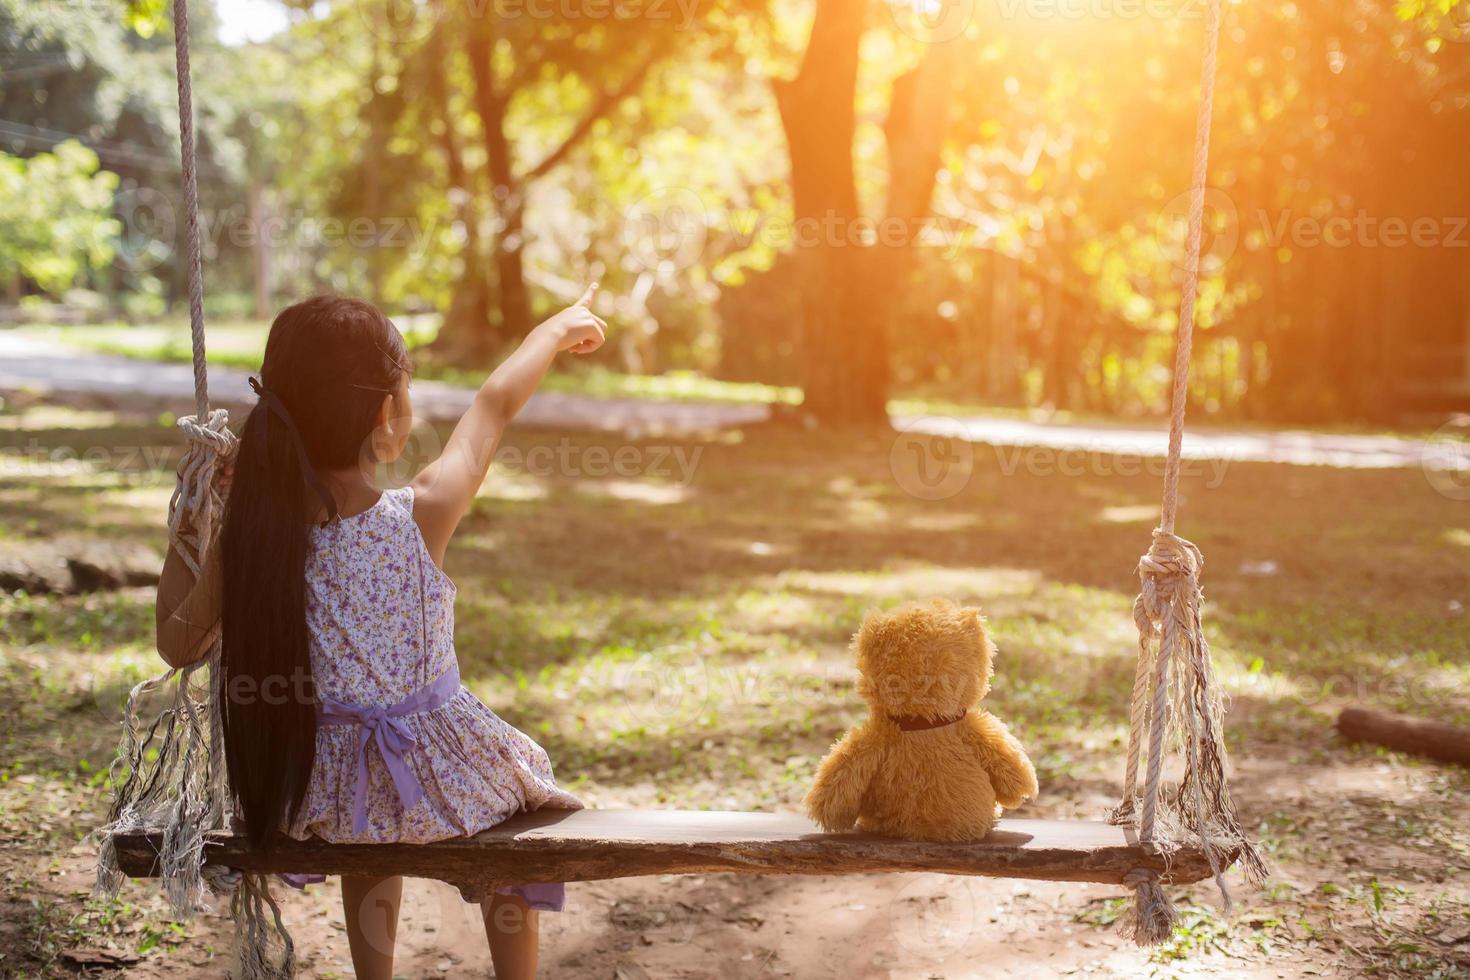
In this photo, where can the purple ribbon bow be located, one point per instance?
(384, 725)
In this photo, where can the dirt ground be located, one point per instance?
(1326, 587)
(894, 927)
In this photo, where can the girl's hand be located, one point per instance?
(577, 328)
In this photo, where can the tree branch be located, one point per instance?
(918, 120)
(600, 108)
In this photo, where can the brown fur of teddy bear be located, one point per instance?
(927, 764)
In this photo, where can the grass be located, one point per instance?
(684, 644)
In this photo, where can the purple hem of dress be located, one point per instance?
(543, 897)
(299, 882)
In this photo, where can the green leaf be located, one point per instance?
(144, 17)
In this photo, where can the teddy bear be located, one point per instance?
(927, 763)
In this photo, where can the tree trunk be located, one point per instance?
(260, 215)
(853, 282)
(510, 273)
(505, 189)
(372, 194)
(466, 330)
(844, 363)
(1060, 311)
(507, 195)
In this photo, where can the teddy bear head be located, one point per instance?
(924, 659)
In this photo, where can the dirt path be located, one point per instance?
(29, 363)
(1364, 891)
(867, 927)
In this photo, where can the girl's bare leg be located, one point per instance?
(371, 908)
(513, 929)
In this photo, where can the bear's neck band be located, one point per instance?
(922, 723)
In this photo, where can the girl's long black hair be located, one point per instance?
(329, 363)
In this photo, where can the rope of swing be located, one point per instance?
(1179, 399)
(195, 505)
(195, 255)
(1170, 632)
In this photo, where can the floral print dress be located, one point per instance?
(380, 615)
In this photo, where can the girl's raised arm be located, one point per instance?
(444, 490)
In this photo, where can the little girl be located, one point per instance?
(344, 716)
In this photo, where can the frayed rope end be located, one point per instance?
(1152, 918)
(263, 949)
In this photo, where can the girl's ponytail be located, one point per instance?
(266, 694)
(328, 364)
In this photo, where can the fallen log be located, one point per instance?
(1417, 736)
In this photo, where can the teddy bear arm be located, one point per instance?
(836, 797)
(1012, 776)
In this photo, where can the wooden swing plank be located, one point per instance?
(590, 845)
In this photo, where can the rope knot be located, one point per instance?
(213, 433)
(1140, 876)
(1169, 571)
(1171, 556)
(1151, 920)
(221, 879)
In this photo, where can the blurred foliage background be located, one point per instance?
(954, 199)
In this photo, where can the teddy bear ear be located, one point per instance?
(875, 621)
